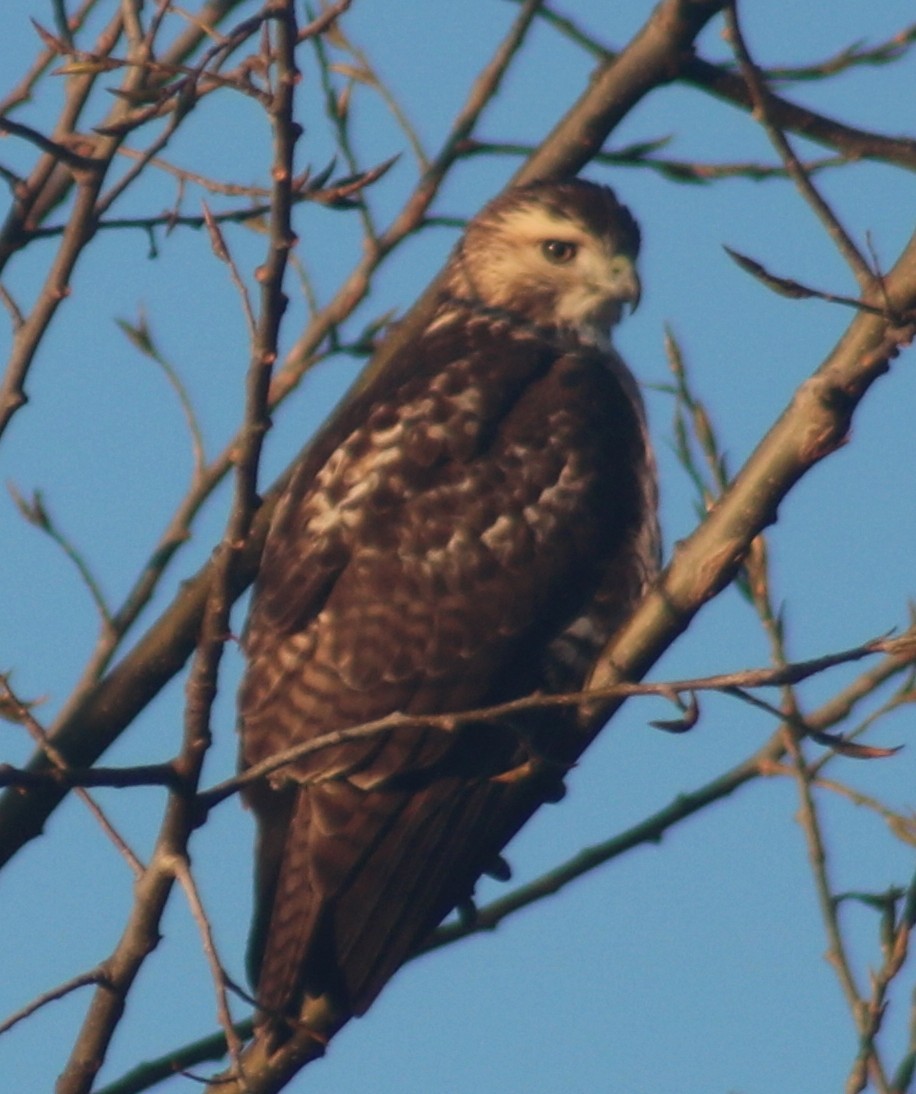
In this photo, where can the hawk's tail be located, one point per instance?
(291, 926)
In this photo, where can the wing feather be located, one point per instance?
(428, 568)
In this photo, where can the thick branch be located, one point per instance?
(655, 56)
(728, 85)
(823, 130)
(812, 426)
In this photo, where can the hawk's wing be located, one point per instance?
(427, 569)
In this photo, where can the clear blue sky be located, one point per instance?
(693, 966)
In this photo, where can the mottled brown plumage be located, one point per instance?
(478, 537)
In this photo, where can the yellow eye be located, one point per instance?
(559, 251)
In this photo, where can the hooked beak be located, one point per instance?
(625, 281)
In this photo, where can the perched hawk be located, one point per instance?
(478, 537)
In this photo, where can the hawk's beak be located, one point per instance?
(625, 281)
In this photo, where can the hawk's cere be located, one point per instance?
(477, 538)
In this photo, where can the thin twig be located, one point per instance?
(141, 337)
(337, 110)
(778, 676)
(221, 250)
(641, 156)
(217, 971)
(763, 763)
(731, 683)
(84, 979)
(36, 513)
(852, 56)
(726, 84)
(795, 290)
(22, 92)
(23, 715)
(809, 813)
(365, 72)
(324, 21)
(761, 98)
(59, 152)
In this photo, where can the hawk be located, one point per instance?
(478, 537)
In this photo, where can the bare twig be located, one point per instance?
(337, 109)
(899, 653)
(151, 1072)
(21, 711)
(643, 155)
(795, 727)
(36, 513)
(728, 683)
(217, 972)
(84, 979)
(221, 250)
(324, 21)
(55, 149)
(364, 72)
(141, 337)
(23, 90)
(761, 98)
(786, 286)
(726, 84)
(855, 55)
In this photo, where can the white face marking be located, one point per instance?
(586, 292)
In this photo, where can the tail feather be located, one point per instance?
(427, 863)
(366, 875)
(291, 923)
(418, 873)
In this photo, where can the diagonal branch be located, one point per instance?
(763, 763)
(729, 86)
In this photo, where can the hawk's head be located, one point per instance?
(558, 254)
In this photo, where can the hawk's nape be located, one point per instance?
(477, 538)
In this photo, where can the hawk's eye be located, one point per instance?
(559, 251)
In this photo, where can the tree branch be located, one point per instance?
(811, 427)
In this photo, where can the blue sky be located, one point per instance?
(695, 965)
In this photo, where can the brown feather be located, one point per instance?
(477, 537)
